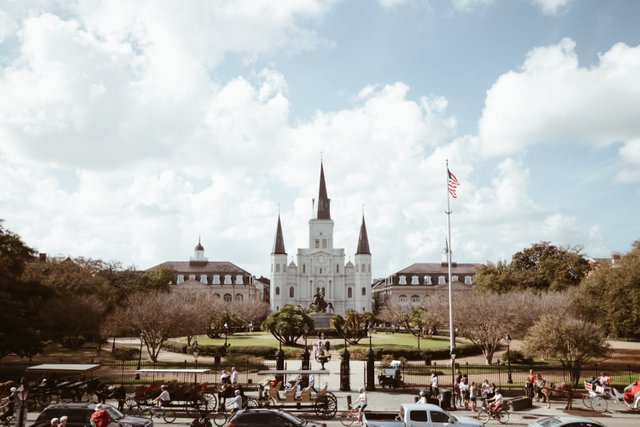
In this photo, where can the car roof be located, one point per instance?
(570, 419)
(415, 406)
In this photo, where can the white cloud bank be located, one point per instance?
(553, 100)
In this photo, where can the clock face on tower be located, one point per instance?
(321, 259)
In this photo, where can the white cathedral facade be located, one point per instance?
(321, 268)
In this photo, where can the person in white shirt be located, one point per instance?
(235, 404)
(434, 384)
(234, 376)
(423, 397)
(496, 400)
(361, 403)
(164, 398)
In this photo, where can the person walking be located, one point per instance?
(100, 417)
(434, 384)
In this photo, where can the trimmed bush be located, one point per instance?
(125, 353)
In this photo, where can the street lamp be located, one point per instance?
(371, 358)
(140, 355)
(226, 336)
(196, 352)
(507, 338)
(305, 354)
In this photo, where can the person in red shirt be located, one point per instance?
(100, 417)
(531, 379)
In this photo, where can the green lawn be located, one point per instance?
(405, 341)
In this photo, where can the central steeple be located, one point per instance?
(324, 203)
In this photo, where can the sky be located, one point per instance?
(130, 129)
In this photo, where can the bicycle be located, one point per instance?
(501, 415)
(221, 417)
(349, 417)
(167, 414)
(9, 421)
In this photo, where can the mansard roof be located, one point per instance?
(439, 268)
(208, 267)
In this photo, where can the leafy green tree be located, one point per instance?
(421, 322)
(570, 341)
(287, 324)
(73, 318)
(20, 299)
(610, 296)
(541, 267)
(353, 326)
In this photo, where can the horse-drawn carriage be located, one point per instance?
(64, 383)
(192, 398)
(597, 396)
(297, 399)
(391, 376)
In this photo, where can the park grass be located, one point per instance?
(381, 340)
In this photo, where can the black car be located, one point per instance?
(79, 415)
(254, 417)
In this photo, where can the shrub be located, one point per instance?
(517, 357)
(125, 353)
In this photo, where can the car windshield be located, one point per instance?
(113, 412)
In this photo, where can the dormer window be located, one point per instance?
(239, 280)
(441, 280)
(468, 280)
(402, 280)
(192, 277)
(203, 279)
(216, 279)
(227, 279)
(427, 280)
(180, 279)
(414, 280)
(454, 279)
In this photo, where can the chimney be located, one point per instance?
(42, 257)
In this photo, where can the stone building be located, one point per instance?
(320, 269)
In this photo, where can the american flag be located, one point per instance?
(453, 183)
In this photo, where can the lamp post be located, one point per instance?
(345, 370)
(507, 338)
(280, 354)
(371, 358)
(196, 352)
(305, 354)
(140, 355)
(226, 337)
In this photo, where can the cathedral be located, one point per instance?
(320, 274)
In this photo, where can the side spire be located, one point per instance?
(363, 240)
(278, 243)
(324, 210)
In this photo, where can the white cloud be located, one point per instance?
(469, 6)
(389, 4)
(552, 100)
(552, 7)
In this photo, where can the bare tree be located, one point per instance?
(158, 315)
(486, 318)
(73, 316)
(250, 312)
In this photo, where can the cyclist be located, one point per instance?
(497, 401)
(361, 403)
(235, 404)
(9, 405)
(164, 398)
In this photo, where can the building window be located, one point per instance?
(467, 280)
(427, 280)
(454, 279)
(403, 280)
(227, 279)
(192, 277)
(239, 280)
(349, 292)
(238, 297)
(364, 291)
(203, 279)
(337, 268)
(368, 268)
(227, 297)
(415, 299)
(320, 270)
(324, 243)
(403, 298)
(304, 268)
(441, 280)
(317, 243)
(291, 292)
(277, 268)
(356, 268)
(180, 279)
(216, 296)
(414, 280)
(277, 290)
(216, 279)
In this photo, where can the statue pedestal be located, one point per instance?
(321, 320)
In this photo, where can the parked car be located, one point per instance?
(253, 417)
(566, 421)
(416, 415)
(79, 415)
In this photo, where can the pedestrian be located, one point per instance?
(473, 395)
(434, 384)
(8, 406)
(234, 376)
(531, 379)
(465, 392)
(63, 421)
(100, 417)
(327, 346)
(55, 422)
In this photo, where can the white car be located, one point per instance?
(566, 421)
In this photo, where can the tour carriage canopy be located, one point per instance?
(64, 368)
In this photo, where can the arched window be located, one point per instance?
(238, 297)
(291, 292)
(415, 299)
(403, 298)
(277, 290)
(216, 296)
(277, 268)
(349, 292)
(364, 291)
(227, 298)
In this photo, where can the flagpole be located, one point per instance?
(452, 342)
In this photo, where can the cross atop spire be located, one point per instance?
(324, 210)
